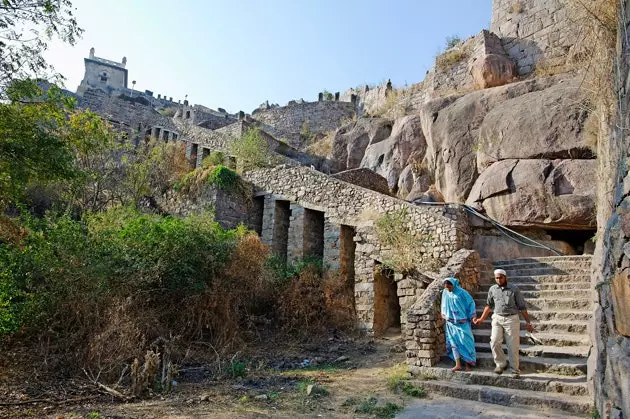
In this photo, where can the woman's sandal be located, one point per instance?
(454, 369)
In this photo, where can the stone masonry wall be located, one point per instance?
(321, 117)
(534, 30)
(609, 360)
(424, 332)
(349, 205)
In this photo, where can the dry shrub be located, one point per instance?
(322, 147)
(301, 307)
(450, 58)
(143, 379)
(10, 232)
(339, 301)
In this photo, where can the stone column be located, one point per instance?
(295, 248)
(332, 245)
(364, 292)
(199, 156)
(188, 149)
(154, 132)
(269, 208)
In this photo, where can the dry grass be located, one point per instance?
(517, 7)
(451, 57)
(397, 104)
(322, 147)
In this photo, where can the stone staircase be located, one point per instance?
(553, 374)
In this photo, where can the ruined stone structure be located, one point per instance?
(310, 118)
(309, 214)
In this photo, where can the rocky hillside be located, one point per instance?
(521, 151)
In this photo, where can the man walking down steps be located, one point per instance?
(506, 301)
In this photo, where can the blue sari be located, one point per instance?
(458, 310)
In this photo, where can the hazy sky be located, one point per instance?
(237, 54)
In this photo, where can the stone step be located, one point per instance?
(543, 259)
(550, 270)
(551, 339)
(558, 326)
(541, 279)
(572, 293)
(562, 366)
(547, 383)
(533, 286)
(542, 350)
(562, 265)
(510, 397)
(556, 315)
(551, 303)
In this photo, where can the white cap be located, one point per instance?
(500, 272)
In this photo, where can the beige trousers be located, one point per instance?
(511, 326)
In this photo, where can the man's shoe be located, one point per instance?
(499, 369)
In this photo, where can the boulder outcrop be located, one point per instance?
(543, 193)
(350, 141)
(389, 157)
(550, 122)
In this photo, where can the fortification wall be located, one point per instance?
(535, 31)
(129, 114)
(320, 117)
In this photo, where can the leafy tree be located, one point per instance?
(252, 151)
(35, 145)
(26, 27)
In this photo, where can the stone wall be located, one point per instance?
(320, 118)
(534, 30)
(229, 209)
(609, 361)
(132, 115)
(365, 178)
(346, 208)
(424, 332)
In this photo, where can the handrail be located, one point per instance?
(504, 230)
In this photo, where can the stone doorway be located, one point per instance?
(386, 305)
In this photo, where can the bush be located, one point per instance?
(452, 41)
(214, 159)
(223, 178)
(252, 151)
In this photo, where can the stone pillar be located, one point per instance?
(295, 248)
(241, 115)
(320, 97)
(154, 132)
(353, 99)
(337, 97)
(364, 292)
(199, 156)
(332, 245)
(188, 149)
(269, 207)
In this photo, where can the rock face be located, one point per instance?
(389, 157)
(544, 193)
(550, 122)
(493, 70)
(350, 141)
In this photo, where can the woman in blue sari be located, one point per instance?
(458, 312)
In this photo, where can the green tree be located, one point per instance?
(252, 151)
(26, 27)
(34, 141)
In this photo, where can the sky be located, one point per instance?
(238, 54)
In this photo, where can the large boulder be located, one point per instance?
(493, 70)
(538, 193)
(388, 158)
(350, 141)
(451, 126)
(544, 124)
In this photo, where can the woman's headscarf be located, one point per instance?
(457, 305)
